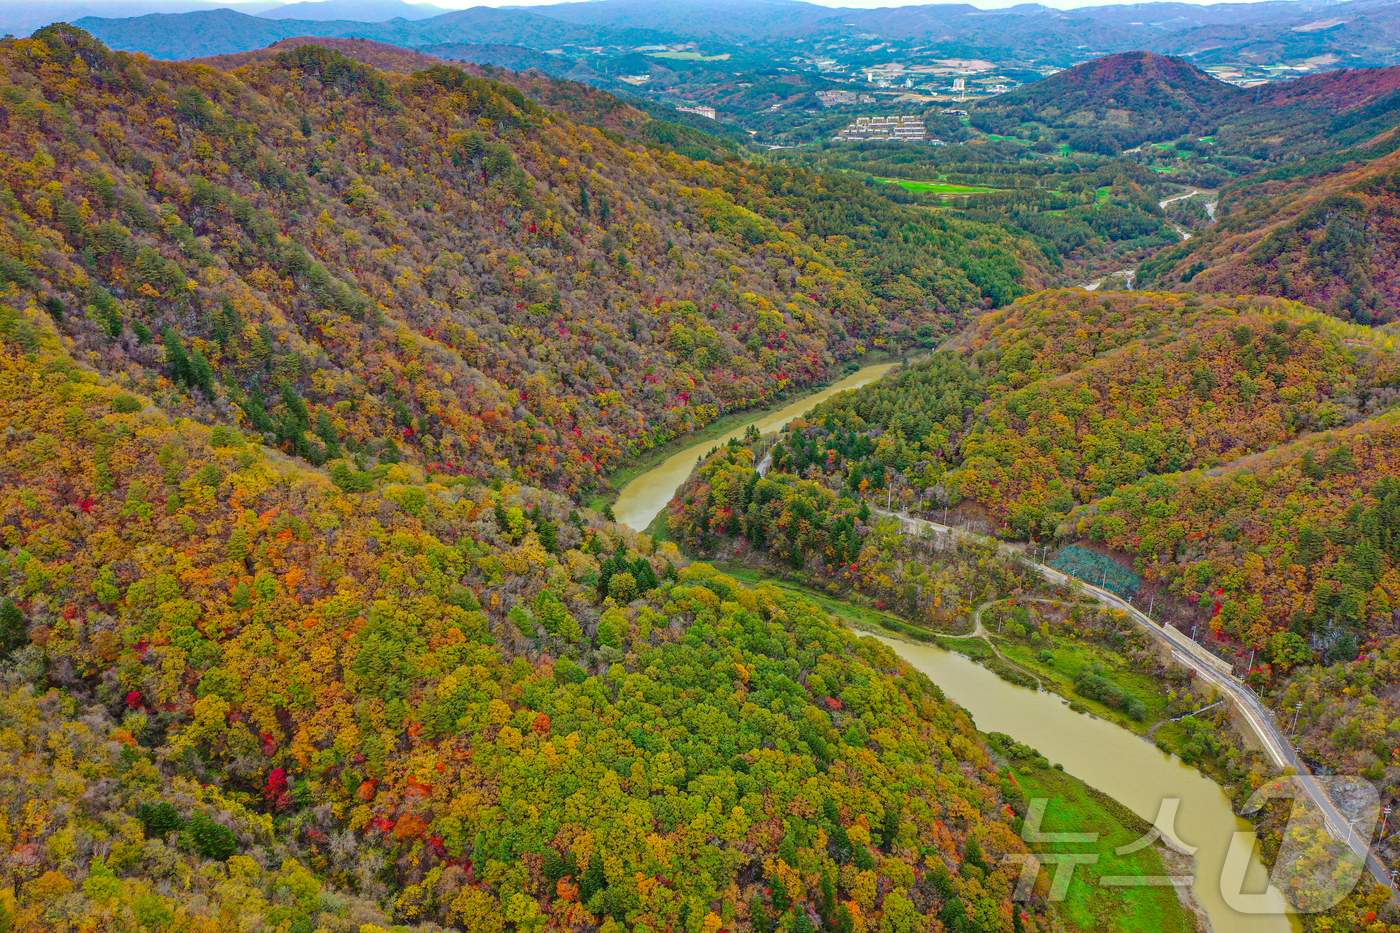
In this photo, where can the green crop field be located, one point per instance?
(938, 187)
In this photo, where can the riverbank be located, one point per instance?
(653, 457)
(1074, 804)
(1034, 653)
(640, 500)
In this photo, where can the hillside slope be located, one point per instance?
(361, 265)
(427, 705)
(1330, 238)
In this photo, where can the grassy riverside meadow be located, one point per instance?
(1075, 807)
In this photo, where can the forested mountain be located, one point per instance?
(1137, 96)
(1122, 101)
(1324, 232)
(432, 267)
(1240, 456)
(379, 677)
(1192, 434)
(432, 704)
(1066, 395)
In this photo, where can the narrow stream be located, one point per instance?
(1130, 770)
(643, 499)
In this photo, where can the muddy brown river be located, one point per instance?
(643, 499)
(1130, 770)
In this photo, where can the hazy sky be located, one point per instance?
(864, 4)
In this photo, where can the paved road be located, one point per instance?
(1260, 718)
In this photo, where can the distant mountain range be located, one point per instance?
(1354, 33)
(363, 11)
(1138, 97)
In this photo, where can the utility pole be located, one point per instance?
(1385, 821)
(1251, 659)
(1296, 710)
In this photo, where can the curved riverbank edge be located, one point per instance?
(647, 494)
(1115, 762)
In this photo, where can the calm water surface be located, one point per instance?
(643, 499)
(1134, 772)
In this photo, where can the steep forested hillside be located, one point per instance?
(1325, 233)
(1067, 395)
(287, 643)
(233, 689)
(1304, 539)
(357, 264)
(1241, 455)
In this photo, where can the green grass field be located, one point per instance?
(1056, 660)
(1074, 807)
(938, 187)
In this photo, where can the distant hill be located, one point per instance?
(224, 32)
(379, 55)
(1122, 100)
(22, 17)
(504, 56)
(198, 35)
(1356, 33)
(364, 11)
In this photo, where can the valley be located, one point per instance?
(445, 486)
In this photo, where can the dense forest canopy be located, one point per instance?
(361, 265)
(301, 628)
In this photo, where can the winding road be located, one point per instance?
(1193, 656)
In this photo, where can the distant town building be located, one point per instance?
(837, 98)
(905, 129)
(954, 113)
(707, 112)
